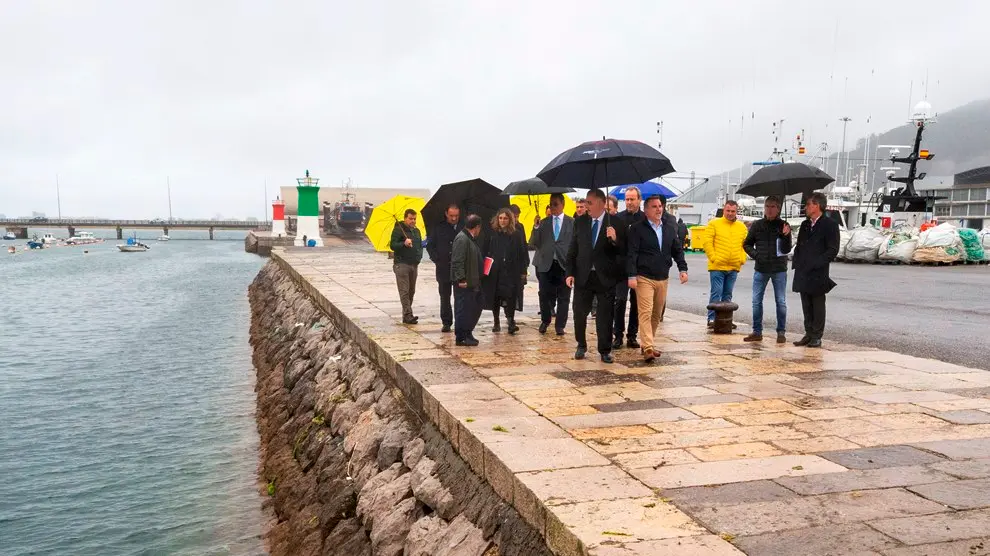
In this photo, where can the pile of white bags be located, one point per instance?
(864, 244)
(940, 244)
(843, 241)
(900, 245)
(984, 235)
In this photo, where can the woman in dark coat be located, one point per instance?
(510, 261)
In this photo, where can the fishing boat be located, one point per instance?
(82, 238)
(163, 237)
(49, 239)
(9, 236)
(133, 246)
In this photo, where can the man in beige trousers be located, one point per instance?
(653, 247)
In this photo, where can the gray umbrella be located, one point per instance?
(788, 178)
(533, 186)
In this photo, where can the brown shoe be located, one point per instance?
(753, 338)
(781, 338)
(649, 354)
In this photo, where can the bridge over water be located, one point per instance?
(19, 226)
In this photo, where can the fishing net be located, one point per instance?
(938, 255)
(900, 245)
(972, 244)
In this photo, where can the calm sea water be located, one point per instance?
(126, 401)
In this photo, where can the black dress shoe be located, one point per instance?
(513, 329)
(560, 331)
(607, 358)
(579, 354)
(815, 343)
(445, 329)
(409, 321)
(497, 327)
(632, 343)
(617, 344)
(543, 327)
(803, 342)
(470, 342)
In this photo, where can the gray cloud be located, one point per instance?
(114, 96)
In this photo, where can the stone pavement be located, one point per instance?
(718, 447)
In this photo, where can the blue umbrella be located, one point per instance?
(646, 190)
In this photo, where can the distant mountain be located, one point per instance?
(960, 140)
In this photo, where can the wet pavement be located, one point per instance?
(717, 447)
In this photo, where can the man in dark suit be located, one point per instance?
(551, 237)
(630, 216)
(654, 247)
(593, 269)
(817, 246)
(439, 245)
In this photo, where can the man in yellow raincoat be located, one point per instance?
(724, 247)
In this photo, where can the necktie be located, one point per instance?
(556, 228)
(594, 233)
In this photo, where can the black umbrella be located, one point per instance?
(533, 186)
(605, 163)
(788, 178)
(472, 196)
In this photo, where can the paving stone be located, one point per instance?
(640, 417)
(833, 413)
(964, 416)
(951, 405)
(653, 458)
(960, 449)
(830, 540)
(709, 400)
(814, 445)
(522, 454)
(589, 377)
(960, 495)
(908, 397)
(734, 435)
(603, 522)
(935, 528)
(815, 511)
(693, 425)
(572, 401)
(636, 405)
(970, 547)
(733, 471)
(919, 436)
(742, 408)
(566, 411)
(699, 545)
(583, 484)
(734, 451)
(610, 433)
(969, 469)
(625, 390)
(555, 385)
(838, 427)
(875, 458)
(864, 479)
(693, 498)
(685, 392)
(904, 421)
(780, 418)
(633, 444)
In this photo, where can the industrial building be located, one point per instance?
(965, 204)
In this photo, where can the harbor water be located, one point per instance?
(127, 401)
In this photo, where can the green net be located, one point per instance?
(971, 244)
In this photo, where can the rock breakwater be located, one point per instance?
(347, 466)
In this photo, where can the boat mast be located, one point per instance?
(58, 197)
(168, 185)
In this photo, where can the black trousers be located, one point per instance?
(622, 293)
(467, 311)
(814, 315)
(583, 296)
(554, 293)
(446, 311)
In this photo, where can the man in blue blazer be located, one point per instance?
(653, 247)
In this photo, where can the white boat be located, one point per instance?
(133, 248)
(9, 236)
(163, 237)
(49, 239)
(82, 238)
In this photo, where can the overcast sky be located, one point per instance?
(220, 95)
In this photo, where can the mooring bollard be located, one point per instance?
(723, 316)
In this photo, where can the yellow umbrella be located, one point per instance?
(531, 206)
(383, 218)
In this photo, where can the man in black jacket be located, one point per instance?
(593, 269)
(768, 243)
(817, 246)
(439, 245)
(654, 247)
(465, 272)
(630, 216)
(407, 244)
(551, 237)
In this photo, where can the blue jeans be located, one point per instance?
(722, 283)
(779, 280)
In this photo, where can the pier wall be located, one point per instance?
(348, 465)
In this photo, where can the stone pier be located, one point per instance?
(718, 447)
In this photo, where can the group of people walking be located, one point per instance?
(606, 257)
